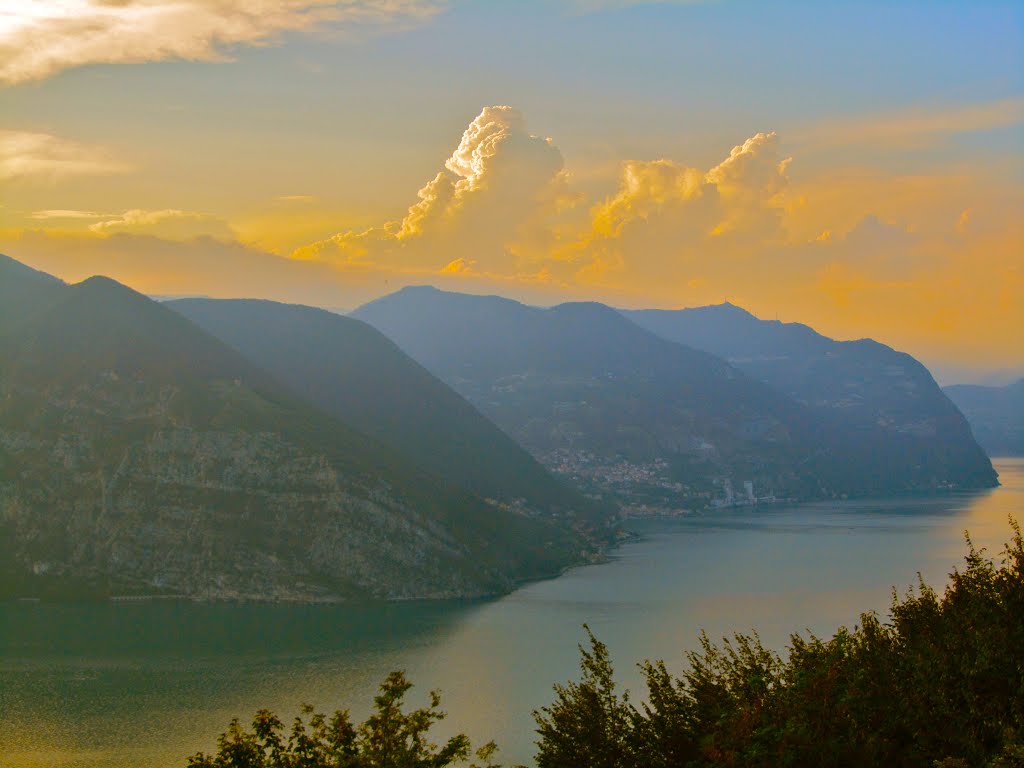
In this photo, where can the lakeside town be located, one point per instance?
(644, 489)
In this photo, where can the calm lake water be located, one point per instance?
(146, 684)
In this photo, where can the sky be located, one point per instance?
(855, 166)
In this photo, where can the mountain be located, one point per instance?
(23, 288)
(356, 374)
(140, 455)
(996, 415)
(623, 412)
(883, 400)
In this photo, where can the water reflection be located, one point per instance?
(146, 684)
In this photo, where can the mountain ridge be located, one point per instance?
(861, 385)
(996, 415)
(140, 455)
(351, 370)
(494, 350)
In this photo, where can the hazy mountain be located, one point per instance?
(996, 415)
(23, 288)
(598, 398)
(355, 373)
(139, 454)
(882, 399)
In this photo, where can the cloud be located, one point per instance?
(489, 202)
(458, 267)
(201, 265)
(496, 179)
(667, 219)
(66, 214)
(912, 128)
(926, 262)
(169, 223)
(734, 195)
(913, 260)
(39, 39)
(872, 234)
(877, 247)
(230, 269)
(26, 155)
(295, 198)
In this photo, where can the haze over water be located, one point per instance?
(146, 684)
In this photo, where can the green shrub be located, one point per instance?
(941, 683)
(390, 738)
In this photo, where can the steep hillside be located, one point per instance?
(614, 407)
(138, 454)
(355, 373)
(882, 400)
(996, 415)
(23, 288)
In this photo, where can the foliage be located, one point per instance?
(390, 738)
(941, 683)
(589, 723)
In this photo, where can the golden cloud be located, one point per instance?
(666, 219)
(850, 251)
(61, 213)
(39, 39)
(201, 265)
(30, 156)
(914, 128)
(489, 202)
(169, 223)
(929, 263)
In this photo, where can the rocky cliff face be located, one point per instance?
(138, 455)
(122, 499)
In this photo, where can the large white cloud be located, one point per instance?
(488, 204)
(726, 197)
(935, 257)
(502, 208)
(40, 38)
(667, 219)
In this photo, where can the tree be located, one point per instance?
(589, 724)
(390, 738)
(941, 683)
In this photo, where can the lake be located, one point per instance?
(145, 684)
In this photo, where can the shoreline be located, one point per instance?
(599, 556)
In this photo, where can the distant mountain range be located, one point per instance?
(353, 372)
(141, 455)
(254, 450)
(882, 401)
(996, 415)
(633, 413)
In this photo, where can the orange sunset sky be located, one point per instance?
(854, 166)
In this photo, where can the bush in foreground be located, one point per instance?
(390, 738)
(940, 684)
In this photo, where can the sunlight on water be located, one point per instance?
(146, 684)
